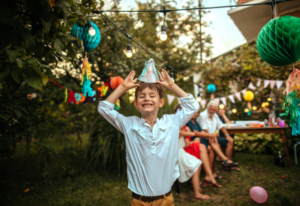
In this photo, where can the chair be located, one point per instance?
(295, 151)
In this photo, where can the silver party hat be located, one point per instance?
(149, 74)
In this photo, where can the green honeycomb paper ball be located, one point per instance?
(278, 43)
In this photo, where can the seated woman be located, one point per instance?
(209, 140)
(189, 166)
(199, 151)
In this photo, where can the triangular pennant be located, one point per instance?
(244, 91)
(238, 95)
(272, 83)
(217, 100)
(251, 86)
(223, 99)
(279, 83)
(231, 97)
(258, 82)
(170, 98)
(266, 83)
(203, 103)
(71, 97)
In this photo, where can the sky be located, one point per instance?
(225, 35)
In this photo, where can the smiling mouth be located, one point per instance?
(147, 105)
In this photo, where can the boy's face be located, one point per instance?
(148, 101)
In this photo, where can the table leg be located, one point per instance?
(285, 147)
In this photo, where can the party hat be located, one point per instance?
(149, 74)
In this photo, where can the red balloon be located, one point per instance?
(115, 82)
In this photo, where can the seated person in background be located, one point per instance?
(198, 151)
(211, 123)
(189, 165)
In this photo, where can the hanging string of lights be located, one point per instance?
(270, 3)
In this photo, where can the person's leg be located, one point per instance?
(217, 149)
(196, 186)
(206, 165)
(211, 156)
(229, 148)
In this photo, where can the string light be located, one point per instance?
(263, 104)
(163, 34)
(198, 99)
(92, 31)
(234, 110)
(246, 110)
(267, 104)
(222, 106)
(129, 52)
(269, 99)
(254, 108)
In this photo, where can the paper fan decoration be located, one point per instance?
(90, 42)
(149, 74)
(278, 42)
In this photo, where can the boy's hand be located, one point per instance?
(166, 80)
(129, 82)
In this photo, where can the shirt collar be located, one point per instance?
(144, 121)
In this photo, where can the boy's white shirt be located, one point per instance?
(151, 156)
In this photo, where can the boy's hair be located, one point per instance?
(153, 86)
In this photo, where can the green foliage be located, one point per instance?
(258, 143)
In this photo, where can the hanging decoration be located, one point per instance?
(278, 42)
(103, 90)
(85, 79)
(150, 74)
(88, 34)
(115, 82)
(292, 108)
(248, 96)
(293, 82)
(71, 97)
(212, 89)
(117, 105)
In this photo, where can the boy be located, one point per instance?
(151, 143)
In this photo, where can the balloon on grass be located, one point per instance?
(258, 194)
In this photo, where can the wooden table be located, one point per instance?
(273, 130)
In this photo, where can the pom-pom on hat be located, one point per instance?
(149, 74)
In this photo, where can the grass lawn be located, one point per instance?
(281, 184)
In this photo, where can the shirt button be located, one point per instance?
(139, 129)
(153, 143)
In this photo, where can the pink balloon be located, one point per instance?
(258, 194)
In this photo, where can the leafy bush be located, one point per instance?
(258, 143)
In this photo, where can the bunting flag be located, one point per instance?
(71, 97)
(279, 83)
(223, 99)
(170, 98)
(272, 83)
(238, 95)
(217, 100)
(203, 103)
(251, 86)
(266, 83)
(231, 97)
(258, 82)
(244, 91)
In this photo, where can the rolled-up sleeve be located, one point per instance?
(119, 121)
(189, 108)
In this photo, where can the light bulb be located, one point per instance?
(263, 105)
(246, 110)
(129, 52)
(198, 99)
(163, 36)
(221, 106)
(92, 31)
(269, 99)
(254, 107)
(267, 104)
(173, 79)
(234, 110)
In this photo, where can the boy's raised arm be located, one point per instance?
(167, 82)
(128, 83)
